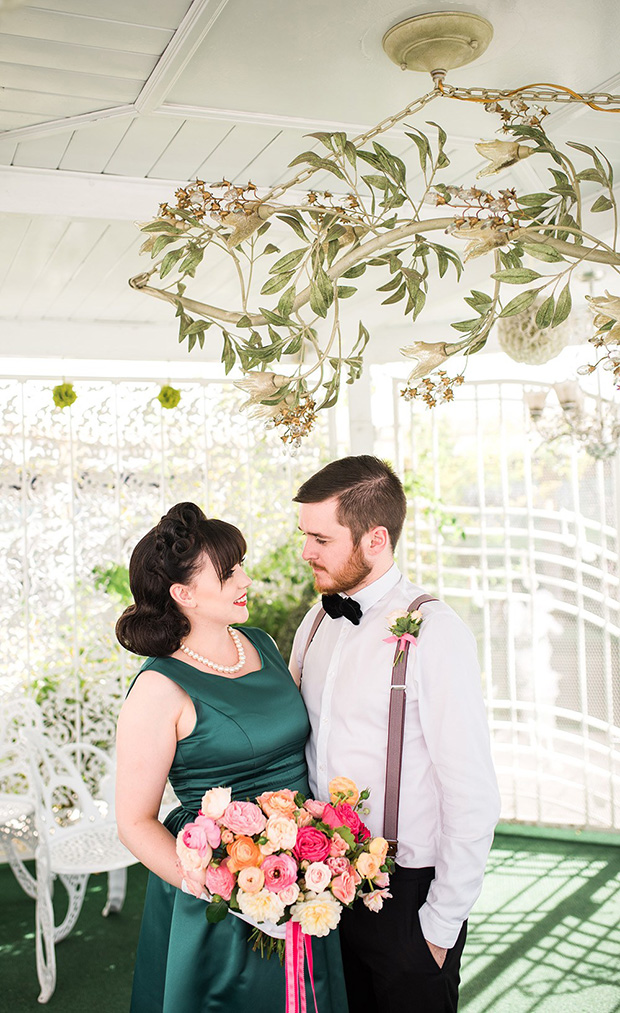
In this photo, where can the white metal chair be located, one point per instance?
(77, 836)
(17, 804)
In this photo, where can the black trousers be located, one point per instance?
(388, 966)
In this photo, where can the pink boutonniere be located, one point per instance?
(404, 626)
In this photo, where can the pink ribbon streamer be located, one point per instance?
(401, 639)
(296, 943)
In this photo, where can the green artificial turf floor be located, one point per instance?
(544, 937)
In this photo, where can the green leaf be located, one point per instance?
(169, 261)
(160, 243)
(396, 296)
(270, 248)
(288, 262)
(228, 352)
(164, 227)
(191, 262)
(466, 325)
(592, 175)
(534, 199)
(516, 275)
(323, 137)
(541, 252)
(424, 148)
(276, 283)
(216, 911)
(419, 301)
(564, 306)
(442, 136)
(295, 224)
(287, 299)
(544, 317)
(355, 272)
(346, 291)
(347, 835)
(603, 203)
(351, 153)
(520, 303)
(378, 182)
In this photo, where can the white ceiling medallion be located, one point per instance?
(438, 42)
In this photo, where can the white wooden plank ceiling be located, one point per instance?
(106, 108)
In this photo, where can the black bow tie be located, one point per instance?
(335, 606)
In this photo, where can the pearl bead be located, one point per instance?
(225, 669)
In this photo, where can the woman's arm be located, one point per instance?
(146, 744)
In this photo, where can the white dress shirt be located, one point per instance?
(449, 800)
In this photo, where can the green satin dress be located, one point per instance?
(250, 735)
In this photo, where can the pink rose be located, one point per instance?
(343, 887)
(290, 894)
(244, 818)
(196, 838)
(227, 836)
(318, 877)
(311, 844)
(280, 872)
(338, 865)
(315, 808)
(338, 846)
(344, 815)
(211, 829)
(219, 880)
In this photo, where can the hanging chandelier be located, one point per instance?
(291, 287)
(591, 422)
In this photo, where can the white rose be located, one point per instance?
(394, 616)
(214, 802)
(281, 832)
(318, 877)
(318, 915)
(263, 906)
(290, 894)
(374, 899)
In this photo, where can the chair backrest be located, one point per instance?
(17, 713)
(64, 804)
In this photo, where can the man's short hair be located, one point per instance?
(369, 495)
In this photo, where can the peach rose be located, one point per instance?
(343, 789)
(318, 877)
(243, 853)
(367, 865)
(382, 880)
(251, 879)
(214, 802)
(379, 847)
(278, 803)
(343, 887)
(192, 857)
(337, 846)
(281, 832)
(227, 836)
(303, 817)
(195, 881)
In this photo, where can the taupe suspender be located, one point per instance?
(396, 726)
(395, 735)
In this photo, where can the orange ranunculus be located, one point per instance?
(343, 789)
(278, 803)
(244, 853)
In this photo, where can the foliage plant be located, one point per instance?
(291, 291)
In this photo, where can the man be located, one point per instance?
(405, 958)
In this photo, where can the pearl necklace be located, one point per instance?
(226, 669)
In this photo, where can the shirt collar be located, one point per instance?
(372, 593)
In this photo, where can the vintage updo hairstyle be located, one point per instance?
(171, 553)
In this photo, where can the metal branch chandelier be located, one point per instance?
(290, 294)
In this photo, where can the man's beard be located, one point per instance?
(354, 571)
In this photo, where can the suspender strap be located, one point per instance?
(318, 619)
(396, 731)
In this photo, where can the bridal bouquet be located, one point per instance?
(284, 858)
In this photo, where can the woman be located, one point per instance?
(210, 707)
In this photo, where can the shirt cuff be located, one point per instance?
(436, 930)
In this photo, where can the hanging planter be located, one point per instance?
(168, 396)
(64, 395)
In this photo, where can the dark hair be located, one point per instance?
(369, 495)
(171, 553)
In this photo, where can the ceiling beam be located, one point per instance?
(190, 34)
(80, 194)
(36, 130)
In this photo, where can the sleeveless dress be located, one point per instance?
(250, 734)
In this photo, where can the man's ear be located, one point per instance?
(182, 595)
(378, 541)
